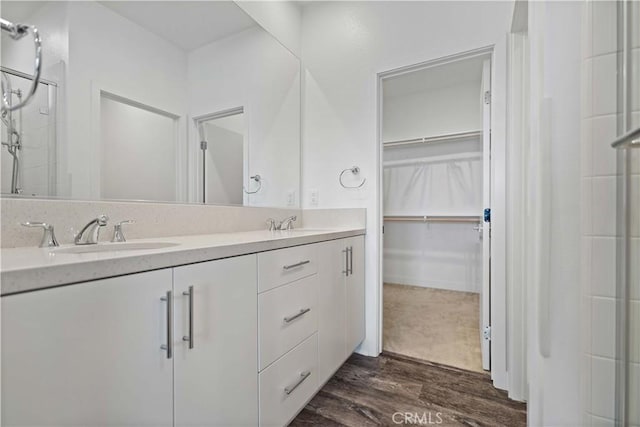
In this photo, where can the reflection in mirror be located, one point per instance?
(131, 90)
(28, 164)
(138, 150)
(222, 139)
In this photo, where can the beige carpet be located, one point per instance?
(433, 324)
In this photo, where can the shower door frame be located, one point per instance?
(623, 146)
(52, 143)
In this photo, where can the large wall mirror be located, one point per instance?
(170, 101)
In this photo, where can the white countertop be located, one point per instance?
(27, 269)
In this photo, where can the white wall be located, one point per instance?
(283, 19)
(52, 22)
(344, 46)
(252, 70)
(554, 206)
(108, 52)
(137, 153)
(442, 256)
(432, 112)
(225, 160)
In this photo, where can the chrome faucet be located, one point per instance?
(89, 233)
(287, 223)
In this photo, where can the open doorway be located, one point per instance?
(223, 144)
(436, 136)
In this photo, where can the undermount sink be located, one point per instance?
(304, 230)
(115, 247)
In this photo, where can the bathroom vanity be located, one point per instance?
(222, 329)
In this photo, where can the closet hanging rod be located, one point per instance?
(433, 218)
(434, 139)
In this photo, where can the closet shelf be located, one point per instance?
(434, 218)
(434, 139)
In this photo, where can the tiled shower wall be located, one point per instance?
(599, 175)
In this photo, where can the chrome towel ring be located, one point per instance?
(257, 178)
(354, 170)
(16, 32)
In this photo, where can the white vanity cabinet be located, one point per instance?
(88, 354)
(96, 353)
(355, 293)
(244, 341)
(215, 353)
(341, 323)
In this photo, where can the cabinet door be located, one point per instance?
(216, 381)
(355, 294)
(332, 308)
(88, 354)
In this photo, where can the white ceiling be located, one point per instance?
(187, 24)
(19, 11)
(446, 75)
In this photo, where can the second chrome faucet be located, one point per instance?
(90, 232)
(286, 224)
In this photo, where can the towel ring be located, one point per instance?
(16, 32)
(257, 178)
(354, 170)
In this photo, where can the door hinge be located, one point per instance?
(203, 145)
(486, 333)
(487, 97)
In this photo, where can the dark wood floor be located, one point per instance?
(368, 391)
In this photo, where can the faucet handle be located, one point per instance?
(271, 223)
(48, 238)
(118, 235)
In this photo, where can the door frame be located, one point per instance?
(498, 307)
(199, 179)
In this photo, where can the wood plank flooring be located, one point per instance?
(368, 391)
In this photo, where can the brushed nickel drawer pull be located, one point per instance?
(298, 264)
(302, 312)
(189, 337)
(303, 376)
(169, 346)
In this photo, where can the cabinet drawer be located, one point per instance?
(287, 385)
(286, 315)
(283, 266)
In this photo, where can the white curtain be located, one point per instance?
(444, 185)
(435, 255)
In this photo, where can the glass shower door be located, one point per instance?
(28, 156)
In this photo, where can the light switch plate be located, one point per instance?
(291, 198)
(314, 196)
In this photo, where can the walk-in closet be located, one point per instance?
(436, 172)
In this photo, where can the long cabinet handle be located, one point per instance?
(302, 312)
(297, 264)
(350, 260)
(346, 262)
(169, 346)
(189, 337)
(303, 376)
